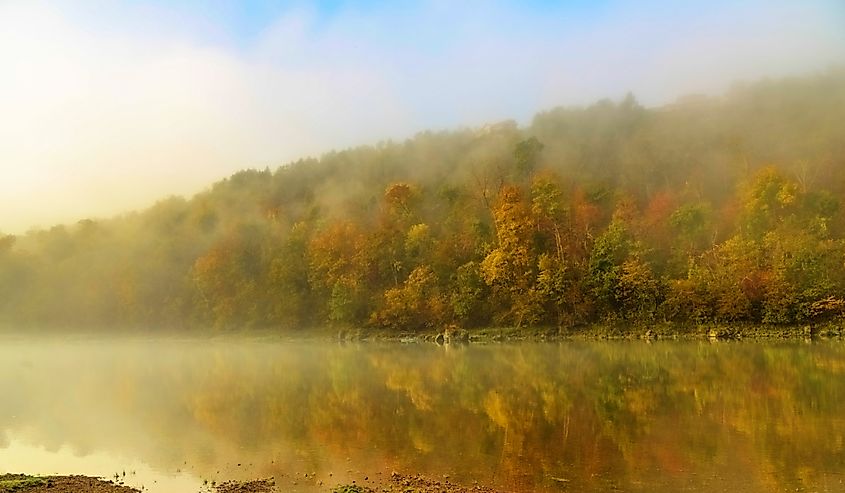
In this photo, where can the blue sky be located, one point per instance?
(107, 105)
(244, 20)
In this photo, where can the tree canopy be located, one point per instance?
(719, 209)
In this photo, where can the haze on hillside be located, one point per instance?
(108, 106)
(711, 210)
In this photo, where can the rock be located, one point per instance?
(723, 333)
(454, 335)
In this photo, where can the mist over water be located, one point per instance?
(593, 416)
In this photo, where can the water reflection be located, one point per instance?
(575, 416)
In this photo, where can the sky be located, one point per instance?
(108, 105)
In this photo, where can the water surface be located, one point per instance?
(573, 416)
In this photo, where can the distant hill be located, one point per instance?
(712, 209)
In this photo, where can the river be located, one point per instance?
(170, 414)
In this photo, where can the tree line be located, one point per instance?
(709, 210)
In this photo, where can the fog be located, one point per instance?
(107, 107)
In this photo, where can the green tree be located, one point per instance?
(527, 154)
(470, 295)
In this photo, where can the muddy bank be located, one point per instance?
(398, 483)
(255, 486)
(20, 483)
(393, 483)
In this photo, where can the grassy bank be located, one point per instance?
(23, 483)
(19, 482)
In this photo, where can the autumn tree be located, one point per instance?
(510, 268)
(229, 280)
(724, 284)
(415, 305)
(338, 271)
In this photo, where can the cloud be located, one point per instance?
(106, 107)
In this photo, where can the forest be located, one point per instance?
(712, 209)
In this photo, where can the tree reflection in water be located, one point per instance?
(666, 416)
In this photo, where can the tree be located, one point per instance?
(338, 267)
(725, 284)
(470, 295)
(292, 301)
(609, 252)
(769, 199)
(805, 279)
(554, 286)
(510, 267)
(417, 304)
(526, 154)
(548, 212)
(229, 280)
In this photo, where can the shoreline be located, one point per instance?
(25, 483)
(388, 483)
(477, 335)
(663, 331)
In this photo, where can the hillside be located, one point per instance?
(712, 209)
